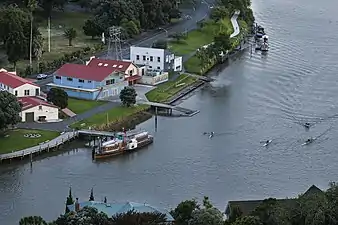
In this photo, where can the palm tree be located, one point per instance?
(31, 5)
(70, 34)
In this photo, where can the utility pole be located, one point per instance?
(48, 34)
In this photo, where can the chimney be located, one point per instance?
(77, 205)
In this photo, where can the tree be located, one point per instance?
(31, 5)
(15, 47)
(58, 97)
(161, 44)
(70, 34)
(247, 220)
(48, 5)
(92, 28)
(135, 218)
(183, 212)
(178, 36)
(206, 203)
(105, 200)
(128, 96)
(86, 216)
(70, 200)
(9, 110)
(32, 220)
(222, 42)
(91, 197)
(235, 214)
(210, 216)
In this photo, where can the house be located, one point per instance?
(112, 209)
(36, 109)
(16, 85)
(248, 206)
(130, 70)
(155, 59)
(89, 82)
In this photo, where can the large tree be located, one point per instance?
(183, 212)
(58, 97)
(9, 110)
(92, 28)
(70, 34)
(32, 220)
(128, 96)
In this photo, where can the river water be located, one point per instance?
(257, 97)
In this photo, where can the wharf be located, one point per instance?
(51, 145)
(170, 108)
(97, 133)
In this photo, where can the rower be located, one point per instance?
(211, 134)
(307, 125)
(309, 140)
(267, 142)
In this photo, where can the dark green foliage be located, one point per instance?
(91, 197)
(248, 220)
(162, 44)
(9, 110)
(92, 28)
(134, 218)
(183, 212)
(128, 96)
(70, 34)
(32, 220)
(70, 200)
(58, 97)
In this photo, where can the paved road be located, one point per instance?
(201, 12)
(235, 24)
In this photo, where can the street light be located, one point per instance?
(166, 32)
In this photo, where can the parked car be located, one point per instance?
(41, 76)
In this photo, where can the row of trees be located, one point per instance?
(318, 208)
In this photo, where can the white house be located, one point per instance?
(17, 86)
(35, 109)
(155, 59)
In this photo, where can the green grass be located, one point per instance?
(200, 37)
(59, 44)
(193, 65)
(79, 106)
(16, 140)
(168, 89)
(115, 114)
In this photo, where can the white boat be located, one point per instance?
(267, 143)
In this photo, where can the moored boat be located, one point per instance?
(125, 144)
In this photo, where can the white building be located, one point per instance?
(16, 85)
(35, 109)
(155, 59)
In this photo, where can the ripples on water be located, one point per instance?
(255, 98)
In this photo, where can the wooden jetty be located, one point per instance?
(51, 145)
(170, 108)
(97, 133)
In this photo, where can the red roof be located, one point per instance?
(30, 102)
(12, 80)
(108, 63)
(84, 72)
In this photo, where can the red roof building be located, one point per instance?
(84, 72)
(13, 81)
(30, 102)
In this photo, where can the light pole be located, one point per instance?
(166, 32)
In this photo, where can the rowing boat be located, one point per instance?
(266, 143)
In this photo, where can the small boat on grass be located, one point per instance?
(123, 144)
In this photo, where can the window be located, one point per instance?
(69, 79)
(89, 81)
(151, 58)
(16, 93)
(108, 82)
(158, 59)
(26, 92)
(137, 57)
(58, 77)
(158, 68)
(37, 91)
(81, 81)
(144, 58)
(142, 72)
(131, 72)
(40, 107)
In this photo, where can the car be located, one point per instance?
(41, 76)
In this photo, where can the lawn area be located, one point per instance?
(79, 106)
(193, 65)
(59, 44)
(114, 114)
(168, 89)
(200, 37)
(16, 140)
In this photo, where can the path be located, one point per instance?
(68, 112)
(50, 144)
(235, 24)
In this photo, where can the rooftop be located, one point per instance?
(116, 65)
(247, 206)
(12, 80)
(30, 102)
(84, 72)
(117, 208)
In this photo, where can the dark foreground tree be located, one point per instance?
(70, 34)
(128, 96)
(91, 28)
(70, 200)
(91, 197)
(9, 110)
(58, 97)
(135, 218)
(32, 220)
(183, 212)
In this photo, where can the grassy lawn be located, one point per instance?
(16, 140)
(114, 114)
(80, 106)
(198, 38)
(168, 89)
(59, 44)
(193, 65)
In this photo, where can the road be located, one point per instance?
(201, 12)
